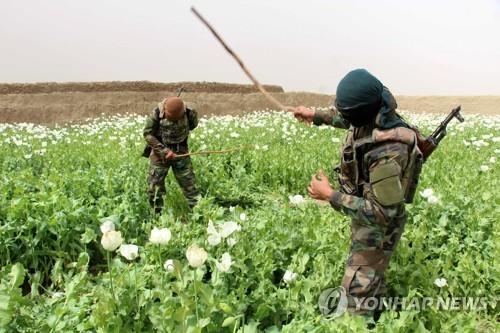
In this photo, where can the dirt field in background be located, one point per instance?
(142, 86)
(63, 107)
(488, 105)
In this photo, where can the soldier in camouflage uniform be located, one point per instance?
(166, 133)
(378, 174)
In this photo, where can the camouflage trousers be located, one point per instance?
(371, 250)
(184, 174)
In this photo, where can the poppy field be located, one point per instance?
(81, 250)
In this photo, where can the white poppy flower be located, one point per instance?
(211, 228)
(129, 251)
(289, 277)
(196, 256)
(227, 228)
(427, 193)
(214, 237)
(493, 159)
(169, 265)
(243, 216)
(106, 226)
(111, 240)
(480, 143)
(225, 264)
(432, 199)
(232, 209)
(484, 168)
(58, 294)
(160, 236)
(296, 199)
(231, 242)
(440, 282)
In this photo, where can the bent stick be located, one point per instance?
(242, 65)
(210, 152)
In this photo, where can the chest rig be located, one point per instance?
(173, 132)
(353, 172)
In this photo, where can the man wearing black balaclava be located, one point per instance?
(378, 173)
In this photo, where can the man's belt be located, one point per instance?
(177, 147)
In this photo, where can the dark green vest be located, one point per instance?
(172, 132)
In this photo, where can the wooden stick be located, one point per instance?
(210, 152)
(242, 65)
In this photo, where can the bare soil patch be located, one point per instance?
(142, 86)
(60, 106)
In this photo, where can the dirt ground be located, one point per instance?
(144, 86)
(63, 106)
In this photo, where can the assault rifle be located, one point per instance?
(429, 144)
(180, 90)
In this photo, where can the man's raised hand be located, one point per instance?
(303, 114)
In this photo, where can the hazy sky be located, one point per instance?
(414, 47)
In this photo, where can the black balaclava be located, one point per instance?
(359, 97)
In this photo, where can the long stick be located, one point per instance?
(242, 65)
(210, 152)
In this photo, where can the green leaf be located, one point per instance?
(226, 308)
(228, 321)
(112, 218)
(251, 327)
(486, 196)
(180, 314)
(83, 260)
(303, 260)
(88, 236)
(206, 293)
(204, 322)
(4, 302)
(17, 274)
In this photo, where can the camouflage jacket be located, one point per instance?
(378, 172)
(160, 132)
(330, 117)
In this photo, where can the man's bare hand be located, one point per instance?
(320, 188)
(170, 155)
(303, 114)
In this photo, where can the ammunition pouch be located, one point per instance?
(386, 185)
(348, 168)
(402, 183)
(411, 172)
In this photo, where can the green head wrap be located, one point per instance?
(361, 98)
